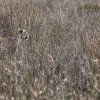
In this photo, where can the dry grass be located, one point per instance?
(61, 59)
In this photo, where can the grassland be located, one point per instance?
(61, 59)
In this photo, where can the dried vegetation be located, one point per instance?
(61, 59)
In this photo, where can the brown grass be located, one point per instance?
(60, 61)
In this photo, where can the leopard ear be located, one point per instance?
(20, 30)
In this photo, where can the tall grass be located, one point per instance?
(60, 61)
